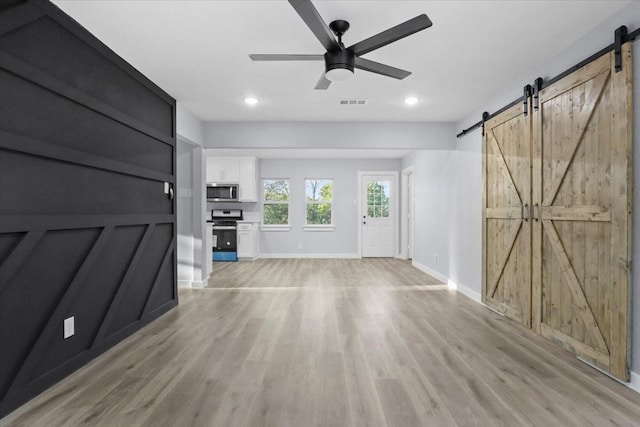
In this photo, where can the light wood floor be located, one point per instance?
(332, 343)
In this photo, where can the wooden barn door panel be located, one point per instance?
(506, 228)
(581, 209)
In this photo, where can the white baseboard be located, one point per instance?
(634, 384)
(430, 272)
(190, 284)
(184, 283)
(476, 296)
(299, 255)
(460, 288)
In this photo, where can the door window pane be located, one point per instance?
(378, 199)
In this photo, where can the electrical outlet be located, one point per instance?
(299, 246)
(69, 327)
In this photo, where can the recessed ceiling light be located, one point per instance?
(412, 100)
(250, 101)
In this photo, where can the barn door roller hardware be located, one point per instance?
(485, 117)
(525, 100)
(537, 87)
(621, 36)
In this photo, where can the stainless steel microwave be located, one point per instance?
(222, 192)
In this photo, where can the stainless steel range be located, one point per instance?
(225, 234)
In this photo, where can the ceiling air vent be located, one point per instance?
(353, 102)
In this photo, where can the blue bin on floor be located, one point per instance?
(225, 256)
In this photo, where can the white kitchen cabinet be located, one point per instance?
(235, 170)
(248, 241)
(208, 250)
(248, 184)
(223, 170)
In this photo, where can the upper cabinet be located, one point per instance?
(223, 170)
(248, 167)
(235, 170)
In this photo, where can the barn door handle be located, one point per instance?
(168, 190)
(524, 212)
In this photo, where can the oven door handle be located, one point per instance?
(224, 227)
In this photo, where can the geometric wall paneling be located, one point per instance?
(29, 298)
(95, 191)
(60, 121)
(48, 46)
(138, 283)
(556, 217)
(87, 144)
(8, 243)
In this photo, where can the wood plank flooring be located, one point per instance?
(372, 342)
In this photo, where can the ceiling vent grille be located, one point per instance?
(353, 102)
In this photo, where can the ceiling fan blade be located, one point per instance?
(323, 83)
(284, 57)
(378, 68)
(398, 32)
(314, 21)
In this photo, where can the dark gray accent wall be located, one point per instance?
(86, 230)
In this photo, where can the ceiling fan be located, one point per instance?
(339, 60)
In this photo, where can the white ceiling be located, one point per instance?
(198, 52)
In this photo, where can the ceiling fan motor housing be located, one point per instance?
(336, 59)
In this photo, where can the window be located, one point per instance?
(275, 198)
(318, 201)
(378, 199)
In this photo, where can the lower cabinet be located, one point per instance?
(248, 241)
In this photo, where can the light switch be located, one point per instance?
(69, 327)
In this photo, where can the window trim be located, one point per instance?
(318, 227)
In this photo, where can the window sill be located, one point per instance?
(319, 228)
(275, 228)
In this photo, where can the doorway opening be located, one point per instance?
(407, 195)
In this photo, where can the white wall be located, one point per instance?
(465, 225)
(339, 135)
(190, 203)
(433, 191)
(343, 241)
(189, 127)
(184, 206)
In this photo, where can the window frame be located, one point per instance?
(318, 227)
(275, 227)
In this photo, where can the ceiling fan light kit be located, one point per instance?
(340, 62)
(339, 65)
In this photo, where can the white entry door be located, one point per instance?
(377, 201)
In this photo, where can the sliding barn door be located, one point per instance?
(581, 196)
(506, 226)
